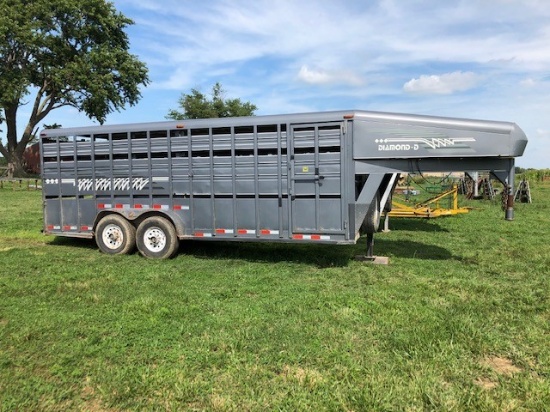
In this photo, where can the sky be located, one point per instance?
(482, 59)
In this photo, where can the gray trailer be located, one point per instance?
(313, 177)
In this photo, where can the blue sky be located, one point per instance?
(486, 59)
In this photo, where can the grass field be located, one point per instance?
(459, 320)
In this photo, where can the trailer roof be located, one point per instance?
(314, 117)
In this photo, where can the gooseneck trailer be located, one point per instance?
(313, 177)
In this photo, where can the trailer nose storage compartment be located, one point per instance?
(313, 177)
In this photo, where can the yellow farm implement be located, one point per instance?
(431, 207)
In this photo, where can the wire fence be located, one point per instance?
(21, 184)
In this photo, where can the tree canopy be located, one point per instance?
(198, 106)
(56, 53)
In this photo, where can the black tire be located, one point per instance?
(372, 219)
(157, 238)
(114, 235)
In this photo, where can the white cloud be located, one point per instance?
(529, 82)
(447, 83)
(317, 76)
(543, 134)
(314, 76)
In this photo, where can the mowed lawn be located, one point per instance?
(459, 320)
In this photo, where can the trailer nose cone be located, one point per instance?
(518, 141)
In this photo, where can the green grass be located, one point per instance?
(459, 320)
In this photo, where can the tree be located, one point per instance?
(197, 106)
(59, 53)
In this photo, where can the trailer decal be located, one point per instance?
(389, 144)
(119, 183)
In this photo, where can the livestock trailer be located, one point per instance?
(312, 177)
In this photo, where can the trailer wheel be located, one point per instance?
(157, 238)
(114, 235)
(372, 219)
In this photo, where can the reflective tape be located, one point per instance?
(224, 231)
(246, 231)
(161, 207)
(140, 206)
(202, 234)
(310, 237)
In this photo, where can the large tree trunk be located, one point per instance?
(19, 169)
(15, 149)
